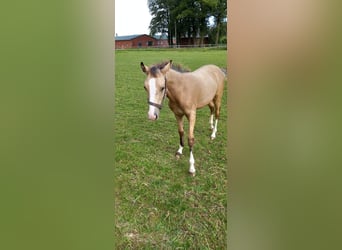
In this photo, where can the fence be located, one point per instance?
(218, 46)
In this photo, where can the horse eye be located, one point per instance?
(162, 88)
(145, 88)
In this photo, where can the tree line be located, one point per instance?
(189, 19)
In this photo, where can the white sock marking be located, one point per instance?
(192, 169)
(211, 121)
(180, 150)
(213, 135)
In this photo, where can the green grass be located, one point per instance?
(158, 205)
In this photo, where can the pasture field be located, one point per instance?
(158, 205)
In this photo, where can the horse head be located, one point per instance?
(155, 86)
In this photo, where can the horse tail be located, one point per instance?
(225, 72)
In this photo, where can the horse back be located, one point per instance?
(210, 83)
(212, 75)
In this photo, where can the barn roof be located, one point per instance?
(130, 37)
(126, 38)
(161, 36)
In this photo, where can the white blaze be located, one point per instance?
(153, 89)
(152, 85)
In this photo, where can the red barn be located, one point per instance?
(135, 41)
(190, 41)
(162, 41)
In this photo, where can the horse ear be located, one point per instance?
(167, 67)
(144, 68)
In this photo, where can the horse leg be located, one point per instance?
(191, 141)
(212, 109)
(181, 136)
(217, 102)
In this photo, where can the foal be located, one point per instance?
(187, 92)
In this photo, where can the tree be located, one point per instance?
(219, 12)
(163, 18)
(186, 18)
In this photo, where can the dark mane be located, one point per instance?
(155, 68)
(180, 68)
(175, 66)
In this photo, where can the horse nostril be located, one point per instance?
(156, 116)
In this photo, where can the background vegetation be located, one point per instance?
(188, 18)
(158, 205)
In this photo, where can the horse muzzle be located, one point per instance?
(152, 116)
(153, 111)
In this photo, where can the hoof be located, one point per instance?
(178, 155)
(192, 174)
(192, 171)
(212, 137)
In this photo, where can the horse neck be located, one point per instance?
(173, 81)
(173, 77)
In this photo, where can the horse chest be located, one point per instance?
(176, 108)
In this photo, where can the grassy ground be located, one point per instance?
(158, 205)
